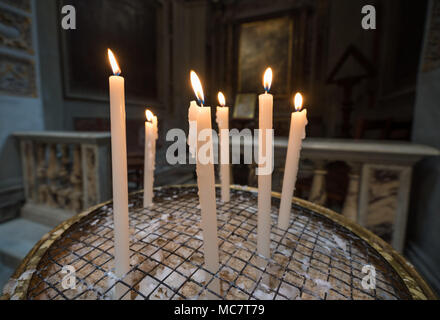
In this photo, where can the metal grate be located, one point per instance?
(315, 259)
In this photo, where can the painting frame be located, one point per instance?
(277, 30)
(245, 106)
(135, 94)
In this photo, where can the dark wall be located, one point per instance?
(423, 245)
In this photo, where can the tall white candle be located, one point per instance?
(151, 136)
(201, 118)
(223, 126)
(296, 136)
(119, 176)
(265, 162)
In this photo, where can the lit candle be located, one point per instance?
(296, 136)
(223, 126)
(119, 175)
(151, 136)
(200, 125)
(264, 170)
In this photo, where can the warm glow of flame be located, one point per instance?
(267, 80)
(149, 115)
(114, 63)
(221, 99)
(298, 101)
(197, 87)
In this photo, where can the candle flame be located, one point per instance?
(298, 101)
(267, 80)
(197, 87)
(221, 99)
(149, 115)
(114, 63)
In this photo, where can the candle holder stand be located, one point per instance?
(321, 256)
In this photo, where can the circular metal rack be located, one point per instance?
(322, 256)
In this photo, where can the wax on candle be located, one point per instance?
(151, 135)
(264, 175)
(201, 118)
(223, 126)
(297, 134)
(119, 175)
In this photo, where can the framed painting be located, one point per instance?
(245, 105)
(129, 28)
(262, 44)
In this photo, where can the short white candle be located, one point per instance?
(119, 176)
(151, 136)
(264, 177)
(201, 118)
(296, 136)
(223, 126)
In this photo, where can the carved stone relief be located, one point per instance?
(15, 31)
(384, 186)
(91, 184)
(76, 182)
(17, 76)
(24, 5)
(30, 172)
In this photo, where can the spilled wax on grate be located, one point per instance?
(316, 259)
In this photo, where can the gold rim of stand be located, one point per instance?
(416, 285)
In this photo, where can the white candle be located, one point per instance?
(265, 163)
(151, 136)
(201, 118)
(296, 136)
(223, 126)
(119, 176)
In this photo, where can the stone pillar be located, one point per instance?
(351, 203)
(318, 192)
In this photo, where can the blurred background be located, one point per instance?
(372, 98)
